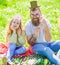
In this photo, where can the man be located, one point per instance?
(39, 35)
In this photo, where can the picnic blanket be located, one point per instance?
(3, 48)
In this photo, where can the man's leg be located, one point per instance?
(45, 51)
(55, 46)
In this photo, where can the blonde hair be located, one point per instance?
(8, 29)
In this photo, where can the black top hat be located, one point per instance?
(33, 4)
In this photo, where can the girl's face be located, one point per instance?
(15, 24)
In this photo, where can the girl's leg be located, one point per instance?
(12, 47)
(20, 50)
(45, 51)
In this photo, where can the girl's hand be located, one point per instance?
(13, 28)
(19, 32)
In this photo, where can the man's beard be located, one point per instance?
(35, 22)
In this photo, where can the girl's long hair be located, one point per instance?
(9, 31)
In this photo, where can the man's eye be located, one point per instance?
(34, 15)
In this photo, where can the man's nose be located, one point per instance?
(34, 17)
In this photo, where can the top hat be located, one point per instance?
(33, 4)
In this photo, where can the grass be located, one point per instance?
(8, 8)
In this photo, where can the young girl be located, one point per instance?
(15, 38)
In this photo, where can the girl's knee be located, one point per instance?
(24, 49)
(12, 45)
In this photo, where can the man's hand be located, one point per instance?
(45, 26)
(32, 39)
(46, 30)
(43, 22)
(36, 32)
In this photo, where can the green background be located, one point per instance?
(8, 8)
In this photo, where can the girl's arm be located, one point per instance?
(22, 38)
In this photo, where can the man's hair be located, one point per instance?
(35, 9)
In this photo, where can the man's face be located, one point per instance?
(35, 16)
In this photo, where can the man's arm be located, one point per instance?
(31, 39)
(47, 31)
(47, 34)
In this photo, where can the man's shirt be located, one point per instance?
(30, 30)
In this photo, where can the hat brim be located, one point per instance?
(33, 8)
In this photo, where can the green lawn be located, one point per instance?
(8, 8)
